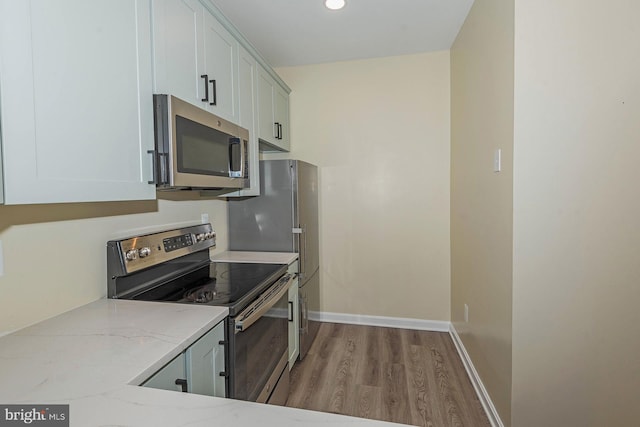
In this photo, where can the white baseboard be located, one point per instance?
(389, 322)
(481, 391)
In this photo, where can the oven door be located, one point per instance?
(258, 346)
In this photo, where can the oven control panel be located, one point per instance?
(178, 242)
(140, 252)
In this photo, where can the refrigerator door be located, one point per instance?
(265, 223)
(306, 215)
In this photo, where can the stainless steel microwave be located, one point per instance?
(195, 149)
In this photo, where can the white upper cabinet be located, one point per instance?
(247, 100)
(221, 68)
(195, 57)
(273, 113)
(281, 116)
(178, 53)
(76, 100)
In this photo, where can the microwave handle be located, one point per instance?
(242, 172)
(164, 166)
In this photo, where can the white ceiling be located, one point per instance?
(300, 32)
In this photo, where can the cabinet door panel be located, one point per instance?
(178, 49)
(294, 324)
(266, 120)
(205, 361)
(247, 71)
(220, 63)
(77, 112)
(281, 113)
(273, 113)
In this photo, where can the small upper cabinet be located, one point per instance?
(220, 68)
(177, 49)
(273, 113)
(76, 95)
(195, 57)
(247, 100)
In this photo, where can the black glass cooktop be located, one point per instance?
(218, 283)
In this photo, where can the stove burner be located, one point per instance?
(207, 293)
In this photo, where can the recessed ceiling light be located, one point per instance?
(334, 4)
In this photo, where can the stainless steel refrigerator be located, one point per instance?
(284, 218)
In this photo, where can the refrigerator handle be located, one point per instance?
(304, 314)
(302, 249)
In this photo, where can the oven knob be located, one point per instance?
(131, 254)
(199, 237)
(144, 252)
(208, 235)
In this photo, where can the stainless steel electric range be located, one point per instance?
(174, 266)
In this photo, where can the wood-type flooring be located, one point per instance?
(398, 375)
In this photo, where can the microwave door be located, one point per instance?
(205, 156)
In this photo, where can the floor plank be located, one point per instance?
(398, 375)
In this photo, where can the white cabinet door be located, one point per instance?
(294, 318)
(281, 114)
(266, 119)
(221, 68)
(77, 112)
(178, 51)
(273, 113)
(247, 100)
(205, 362)
(170, 377)
(195, 57)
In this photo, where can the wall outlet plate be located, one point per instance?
(466, 312)
(497, 160)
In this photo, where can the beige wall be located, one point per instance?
(379, 131)
(481, 199)
(55, 255)
(576, 333)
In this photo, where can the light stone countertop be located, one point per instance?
(256, 257)
(94, 357)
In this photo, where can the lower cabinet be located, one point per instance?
(196, 370)
(205, 361)
(171, 376)
(294, 318)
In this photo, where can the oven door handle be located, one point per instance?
(263, 303)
